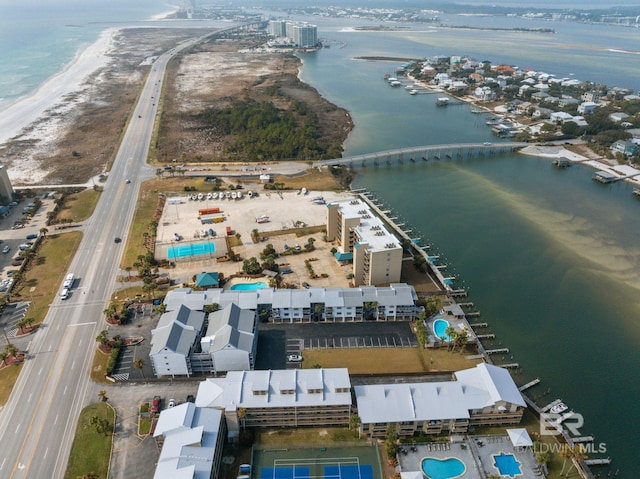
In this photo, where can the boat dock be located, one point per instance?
(598, 462)
(509, 365)
(530, 384)
(562, 162)
(497, 351)
(486, 336)
(583, 439)
(479, 325)
(548, 407)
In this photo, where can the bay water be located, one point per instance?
(549, 257)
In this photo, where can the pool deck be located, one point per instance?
(245, 280)
(477, 454)
(457, 323)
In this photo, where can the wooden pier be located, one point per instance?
(530, 384)
(472, 313)
(509, 365)
(583, 439)
(497, 351)
(458, 293)
(479, 325)
(486, 336)
(598, 462)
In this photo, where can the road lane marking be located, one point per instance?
(46, 451)
(81, 324)
(2, 465)
(18, 427)
(40, 372)
(56, 420)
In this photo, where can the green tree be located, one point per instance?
(102, 337)
(251, 266)
(138, 363)
(210, 308)
(391, 442)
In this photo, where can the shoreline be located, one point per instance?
(25, 111)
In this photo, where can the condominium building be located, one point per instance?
(192, 440)
(364, 239)
(485, 395)
(280, 398)
(299, 34)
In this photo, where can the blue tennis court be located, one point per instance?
(337, 470)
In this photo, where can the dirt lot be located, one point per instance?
(223, 73)
(283, 211)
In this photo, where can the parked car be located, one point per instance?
(172, 403)
(155, 404)
(306, 285)
(294, 358)
(32, 236)
(191, 398)
(6, 249)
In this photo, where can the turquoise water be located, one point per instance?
(443, 468)
(249, 286)
(507, 465)
(439, 328)
(194, 249)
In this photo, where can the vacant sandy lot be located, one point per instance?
(283, 211)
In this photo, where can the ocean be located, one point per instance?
(40, 38)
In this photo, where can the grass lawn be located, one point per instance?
(99, 366)
(45, 274)
(387, 360)
(8, 377)
(79, 206)
(312, 180)
(90, 451)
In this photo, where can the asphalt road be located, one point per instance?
(38, 423)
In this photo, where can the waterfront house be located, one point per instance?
(542, 113)
(625, 147)
(484, 93)
(592, 96)
(567, 100)
(485, 395)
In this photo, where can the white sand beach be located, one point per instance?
(16, 116)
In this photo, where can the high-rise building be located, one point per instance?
(277, 28)
(305, 35)
(363, 238)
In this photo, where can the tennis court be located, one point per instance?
(317, 463)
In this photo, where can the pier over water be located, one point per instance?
(425, 153)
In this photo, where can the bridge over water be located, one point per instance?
(425, 153)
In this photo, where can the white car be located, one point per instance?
(6, 249)
(294, 358)
(172, 403)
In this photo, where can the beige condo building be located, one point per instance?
(364, 239)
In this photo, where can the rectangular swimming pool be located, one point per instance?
(192, 249)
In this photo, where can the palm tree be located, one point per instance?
(461, 338)
(128, 270)
(102, 395)
(139, 364)
(451, 333)
(43, 231)
(22, 323)
(11, 350)
(565, 453)
(102, 337)
(578, 454)
(242, 415)
(3, 357)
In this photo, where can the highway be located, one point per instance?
(38, 423)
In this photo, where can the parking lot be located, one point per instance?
(11, 238)
(277, 341)
(284, 212)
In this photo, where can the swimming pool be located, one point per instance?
(193, 249)
(507, 465)
(448, 468)
(439, 328)
(249, 286)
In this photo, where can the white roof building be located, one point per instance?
(483, 390)
(320, 397)
(193, 439)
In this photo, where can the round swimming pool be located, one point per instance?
(448, 468)
(249, 286)
(439, 328)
